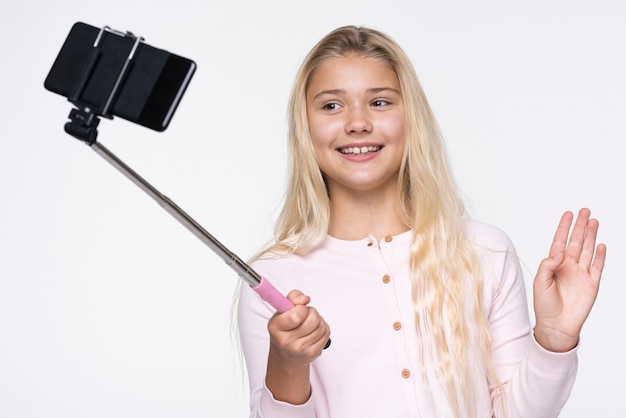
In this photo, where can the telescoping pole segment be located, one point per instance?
(263, 287)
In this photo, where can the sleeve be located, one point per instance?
(536, 383)
(253, 315)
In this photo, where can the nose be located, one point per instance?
(358, 121)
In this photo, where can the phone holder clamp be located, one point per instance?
(84, 119)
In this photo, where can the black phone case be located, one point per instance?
(150, 91)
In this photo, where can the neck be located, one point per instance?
(354, 216)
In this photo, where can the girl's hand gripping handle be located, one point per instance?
(272, 296)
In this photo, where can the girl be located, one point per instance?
(428, 308)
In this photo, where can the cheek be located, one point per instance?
(395, 128)
(322, 133)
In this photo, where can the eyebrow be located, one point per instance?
(339, 91)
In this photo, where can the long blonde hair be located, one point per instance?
(443, 263)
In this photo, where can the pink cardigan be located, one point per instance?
(373, 367)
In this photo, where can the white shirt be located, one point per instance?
(373, 367)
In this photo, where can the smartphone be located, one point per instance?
(147, 83)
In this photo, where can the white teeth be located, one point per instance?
(359, 150)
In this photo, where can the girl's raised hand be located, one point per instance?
(567, 282)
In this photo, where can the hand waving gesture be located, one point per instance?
(567, 282)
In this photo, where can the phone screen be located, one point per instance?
(150, 91)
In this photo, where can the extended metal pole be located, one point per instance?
(232, 260)
(263, 287)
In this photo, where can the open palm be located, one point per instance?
(567, 282)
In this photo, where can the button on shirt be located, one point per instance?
(373, 367)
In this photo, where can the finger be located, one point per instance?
(320, 333)
(560, 236)
(290, 320)
(324, 338)
(312, 330)
(598, 263)
(575, 244)
(589, 244)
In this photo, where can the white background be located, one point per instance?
(109, 307)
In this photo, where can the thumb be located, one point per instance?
(298, 298)
(547, 267)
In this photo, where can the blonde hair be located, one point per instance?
(443, 262)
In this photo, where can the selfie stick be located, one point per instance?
(83, 124)
(256, 281)
(260, 285)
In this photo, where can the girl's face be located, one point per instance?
(356, 122)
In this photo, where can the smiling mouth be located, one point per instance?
(359, 150)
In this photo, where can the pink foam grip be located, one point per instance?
(269, 294)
